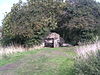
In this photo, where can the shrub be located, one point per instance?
(25, 24)
(28, 23)
(88, 60)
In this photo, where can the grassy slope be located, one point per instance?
(47, 61)
(14, 57)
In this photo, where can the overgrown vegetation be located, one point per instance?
(88, 61)
(28, 23)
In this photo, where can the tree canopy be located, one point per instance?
(28, 23)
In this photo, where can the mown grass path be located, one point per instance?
(47, 61)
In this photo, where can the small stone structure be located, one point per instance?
(52, 40)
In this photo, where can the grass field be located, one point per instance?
(46, 61)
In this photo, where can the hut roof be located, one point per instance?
(53, 35)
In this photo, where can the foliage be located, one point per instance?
(78, 23)
(88, 61)
(88, 66)
(28, 23)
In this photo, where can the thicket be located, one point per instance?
(28, 23)
(88, 60)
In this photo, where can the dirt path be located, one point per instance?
(45, 62)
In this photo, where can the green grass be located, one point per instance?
(6, 59)
(46, 61)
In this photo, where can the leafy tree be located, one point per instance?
(28, 23)
(79, 21)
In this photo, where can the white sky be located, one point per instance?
(5, 6)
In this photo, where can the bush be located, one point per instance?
(88, 61)
(28, 23)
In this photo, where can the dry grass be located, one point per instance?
(11, 50)
(14, 49)
(88, 60)
(85, 50)
(36, 47)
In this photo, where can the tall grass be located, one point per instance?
(88, 60)
(84, 51)
(6, 51)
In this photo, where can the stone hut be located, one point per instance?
(52, 40)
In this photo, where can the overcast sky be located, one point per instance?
(5, 6)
